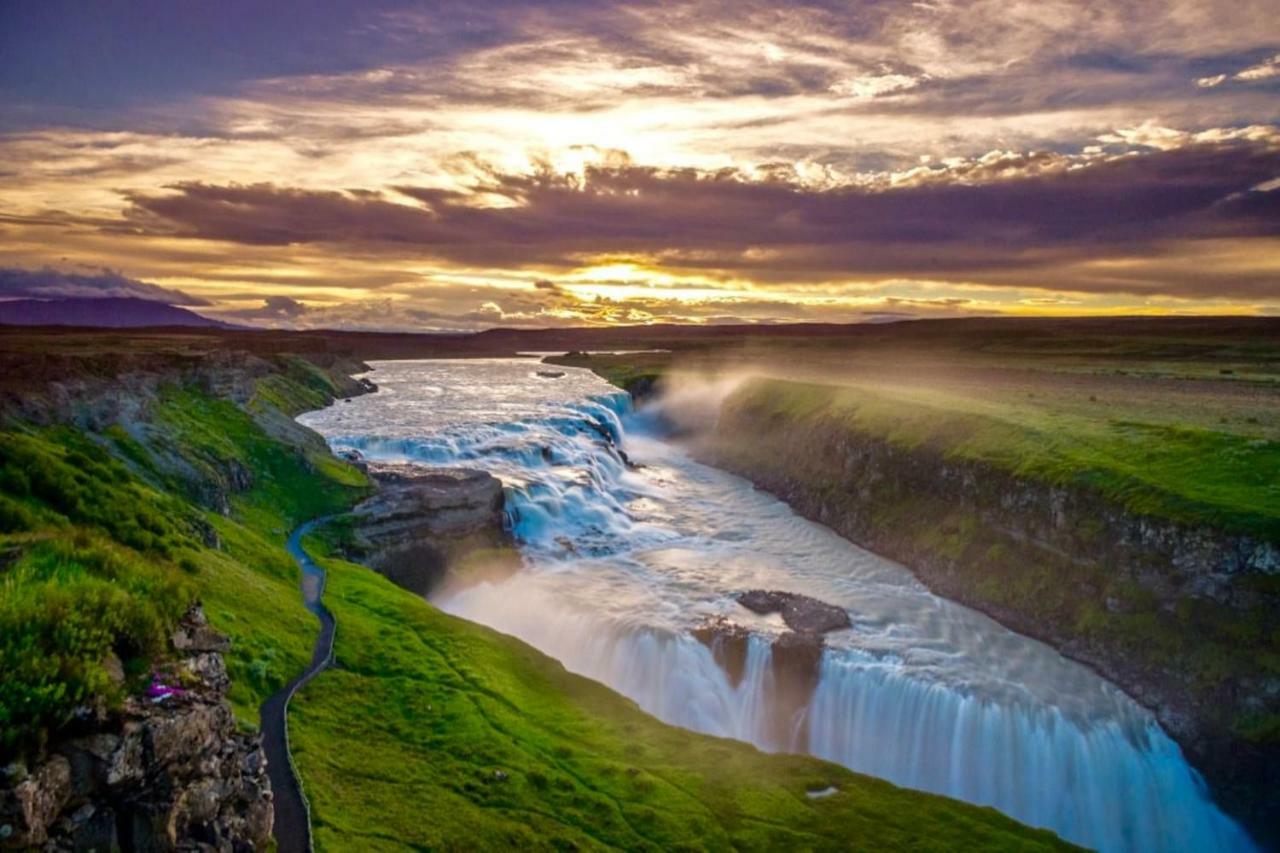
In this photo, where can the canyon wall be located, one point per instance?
(1160, 608)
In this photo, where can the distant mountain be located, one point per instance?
(113, 312)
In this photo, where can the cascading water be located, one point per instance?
(623, 561)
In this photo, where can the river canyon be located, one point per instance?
(630, 546)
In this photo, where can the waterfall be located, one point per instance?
(1097, 782)
(623, 562)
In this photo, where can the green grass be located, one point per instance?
(106, 539)
(630, 372)
(435, 733)
(431, 733)
(1189, 474)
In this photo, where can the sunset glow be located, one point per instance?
(519, 165)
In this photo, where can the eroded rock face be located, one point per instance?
(422, 521)
(796, 665)
(728, 644)
(795, 656)
(172, 774)
(800, 612)
(794, 669)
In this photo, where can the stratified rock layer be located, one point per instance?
(795, 656)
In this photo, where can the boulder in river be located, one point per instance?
(801, 613)
(795, 665)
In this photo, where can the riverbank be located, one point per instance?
(127, 496)
(1130, 521)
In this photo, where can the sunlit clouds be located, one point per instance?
(561, 163)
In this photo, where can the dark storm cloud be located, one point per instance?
(49, 283)
(774, 229)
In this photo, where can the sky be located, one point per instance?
(464, 165)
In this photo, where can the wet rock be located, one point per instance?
(800, 612)
(796, 664)
(354, 458)
(728, 644)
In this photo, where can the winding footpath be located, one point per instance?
(293, 817)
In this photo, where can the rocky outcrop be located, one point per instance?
(802, 614)
(1052, 561)
(728, 644)
(168, 771)
(424, 524)
(795, 658)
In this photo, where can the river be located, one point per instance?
(622, 562)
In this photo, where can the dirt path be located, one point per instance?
(293, 821)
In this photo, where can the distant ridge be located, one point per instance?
(108, 312)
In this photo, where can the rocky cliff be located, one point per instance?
(1152, 604)
(169, 770)
(428, 526)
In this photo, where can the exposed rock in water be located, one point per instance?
(728, 644)
(796, 660)
(164, 773)
(354, 458)
(800, 612)
(426, 523)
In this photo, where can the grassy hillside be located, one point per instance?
(106, 537)
(431, 732)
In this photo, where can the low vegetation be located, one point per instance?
(107, 536)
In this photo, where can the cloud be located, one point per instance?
(380, 162)
(877, 85)
(50, 283)
(962, 219)
(1265, 70)
(273, 308)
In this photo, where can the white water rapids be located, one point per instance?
(621, 563)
